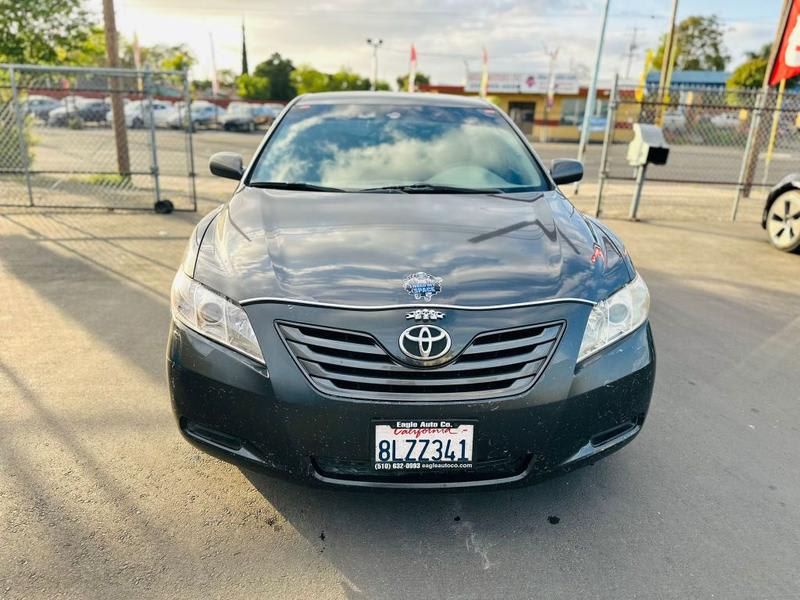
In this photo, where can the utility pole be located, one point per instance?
(590, 97)
(375, 45)
(117, 104)
(632, 48)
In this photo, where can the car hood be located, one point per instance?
(357, 248)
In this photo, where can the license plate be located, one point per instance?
(422, 445)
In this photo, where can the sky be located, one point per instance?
(448, 34)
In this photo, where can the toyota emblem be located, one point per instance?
(425, 342)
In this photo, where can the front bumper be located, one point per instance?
(274, 419)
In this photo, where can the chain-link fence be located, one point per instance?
(733, 143)
(95, 138)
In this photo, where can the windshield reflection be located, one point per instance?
(358, 146)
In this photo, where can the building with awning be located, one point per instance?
(541, 111)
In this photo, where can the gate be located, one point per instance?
(726, 145)
(63, 146)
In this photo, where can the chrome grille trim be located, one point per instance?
(352, 364)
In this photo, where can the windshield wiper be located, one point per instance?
(432, 188)
(293, 185)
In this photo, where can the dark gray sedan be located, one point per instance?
(398, 295)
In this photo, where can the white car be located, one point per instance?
(203, 114)
(674, 120)
(725, 120)
(137, 114)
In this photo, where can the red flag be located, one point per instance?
(412, 70)
(787, 61)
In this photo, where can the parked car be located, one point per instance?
(781, 216)
(89, 110)
(137, 113)
(239, 117)
(674, 120)
(725, 120)
(272, 109)
(39, 106)
(399, 295)
(237, 106)
(203, 114)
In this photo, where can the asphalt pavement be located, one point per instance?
(100, 496)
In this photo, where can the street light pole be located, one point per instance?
(375, 45)
(590, 97)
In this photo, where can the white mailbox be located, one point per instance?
(648, 146)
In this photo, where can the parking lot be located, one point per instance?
(100, 496)
(62, 157)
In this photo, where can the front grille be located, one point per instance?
(355, 365)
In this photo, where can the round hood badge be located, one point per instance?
(425, 342)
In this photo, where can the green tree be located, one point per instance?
(346, 80)
(90, 53)
(160, 56)
(253, 87)
(419, 79)
(226, 78)
(699, 45)
(277, 71)
(201, 85)
(751, 73)
(177, 58)
(36, 31)
(307, 80)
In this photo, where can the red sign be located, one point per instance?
(787, 62)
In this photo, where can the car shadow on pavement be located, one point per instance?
(73, 326)
(455, 543)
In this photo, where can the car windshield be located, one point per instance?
(367, 146)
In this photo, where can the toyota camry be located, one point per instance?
(398, 295)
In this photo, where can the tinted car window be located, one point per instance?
(357, 146)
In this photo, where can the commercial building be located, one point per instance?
(556, 116)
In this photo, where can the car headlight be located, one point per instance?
(615, 317)
(214, 316)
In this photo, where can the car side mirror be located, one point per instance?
(227, 164)
(566, 170)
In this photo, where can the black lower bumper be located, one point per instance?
(242, 413)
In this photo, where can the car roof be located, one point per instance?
(393, 98)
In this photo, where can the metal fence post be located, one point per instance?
(189, 145)
(611, 118)
(151, 134)
(23, 144)
(641, 172)
(746, 158)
